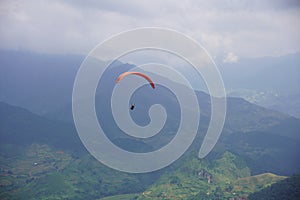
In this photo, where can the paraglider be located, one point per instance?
(132, 106)
(136, 73)
(139, 74)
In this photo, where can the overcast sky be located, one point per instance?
(227, 28)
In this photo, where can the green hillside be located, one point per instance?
(42, 172)
(223, 178)
(288, 189)
(247, 185)
(44, 159)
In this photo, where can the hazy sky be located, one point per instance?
(229, 29)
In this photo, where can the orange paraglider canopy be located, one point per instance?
(136, 73)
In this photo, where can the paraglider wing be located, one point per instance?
(136, 73)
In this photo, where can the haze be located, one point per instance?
(229, 30)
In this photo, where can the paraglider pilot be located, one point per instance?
(132, 106)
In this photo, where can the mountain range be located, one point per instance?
(40, 145)
(272, 82)
(43, 83)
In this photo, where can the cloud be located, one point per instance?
(249, 28)
(231, 58)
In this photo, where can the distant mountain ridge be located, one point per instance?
(268, 139)
(266, 133)
(266, 73)
(272, 82)
(38, 82)
(21, 127)
(43, 83)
